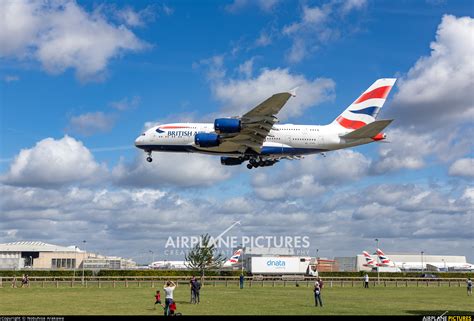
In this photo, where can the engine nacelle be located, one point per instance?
(230, 161)
(207, 140)
(227, 125)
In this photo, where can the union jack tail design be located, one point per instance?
(234, 258)
(364, 110)
(369, 261)
(384, 260)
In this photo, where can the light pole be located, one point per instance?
(422, 268)
(378, 268)
(152, 256)
(83, 260)
(445, 269)
(75, 261)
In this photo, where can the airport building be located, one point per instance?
(44, 256)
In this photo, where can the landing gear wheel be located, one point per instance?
(149, 159)
(249, 166)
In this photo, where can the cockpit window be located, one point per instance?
(143, 134)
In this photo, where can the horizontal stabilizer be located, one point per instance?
(368, 131)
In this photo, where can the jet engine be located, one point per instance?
(227, 125)
(207, 140)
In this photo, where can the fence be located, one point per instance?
(226, 281)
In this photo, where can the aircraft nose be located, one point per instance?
(139, 141)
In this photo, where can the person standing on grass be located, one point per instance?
(366, 281)
(469, 286)
(169, 289)
(196, 289)
(317, 293)
(191, 287)
(241, 280)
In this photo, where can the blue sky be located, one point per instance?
(80, 80)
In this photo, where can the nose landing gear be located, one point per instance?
(149, 159)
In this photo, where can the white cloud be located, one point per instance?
(309, 177)
(53, 163)
(171, 169)
(350, 5)
(239, 5)
(437, 91)
(126, 103)
(62, 35)
(134, 18)
(246, 68)
(463, 167)
(263, 40)
(90, 123)
(317, 26)
(406, 149)
(240, 95)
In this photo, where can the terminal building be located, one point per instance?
(44, 256)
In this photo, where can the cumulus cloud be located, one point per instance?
(171, 169)
(434, 104)
(240, 95)
(54, 162)
(317, 26)
(62, 35)
(309, 177)
(463, 167)
(90, 123)
(437, 91)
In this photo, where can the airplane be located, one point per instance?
(233, 259)
(174, 265)
(257, 138)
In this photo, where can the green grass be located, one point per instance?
(222, 300)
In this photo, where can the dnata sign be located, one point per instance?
(276, 263)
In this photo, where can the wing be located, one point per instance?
(257, 123)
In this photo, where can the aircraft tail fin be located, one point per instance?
(365, 109)
(234, 258)
(372, 130)
(384, 260)
(369, 261)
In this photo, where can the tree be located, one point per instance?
(204, 256)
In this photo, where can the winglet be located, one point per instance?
(293, 91)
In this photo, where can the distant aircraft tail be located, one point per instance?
(369, 261)
(234, 258)
(384, 260)
(365, 109)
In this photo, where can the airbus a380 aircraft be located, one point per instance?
(255, 137)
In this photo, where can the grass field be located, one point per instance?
(222, 300)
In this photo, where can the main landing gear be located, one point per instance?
(149, 159)
(260, 163)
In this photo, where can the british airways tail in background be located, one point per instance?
(234, 259)
(257, 138)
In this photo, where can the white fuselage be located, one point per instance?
(282, 140)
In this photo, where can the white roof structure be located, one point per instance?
(32, 246)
